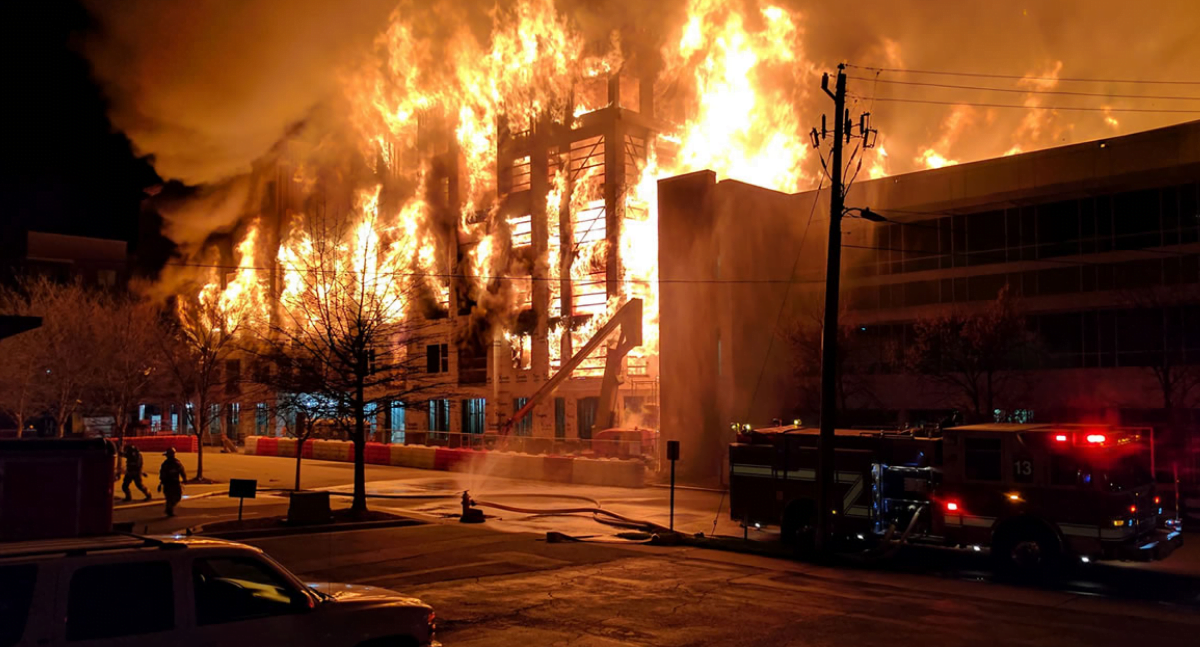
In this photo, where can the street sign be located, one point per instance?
(243, 488)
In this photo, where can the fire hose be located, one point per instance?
(640, 523)
(594, 509)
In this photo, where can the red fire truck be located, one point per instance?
(1033, 494)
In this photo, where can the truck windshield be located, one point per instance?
(1127, 471)
(1112, 470)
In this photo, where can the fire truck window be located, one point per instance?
(983, 459)
(1066, 469)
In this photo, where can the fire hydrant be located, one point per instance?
(470, 514)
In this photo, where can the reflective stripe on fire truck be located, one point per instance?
(753, 470)
(854, 479)
(799, 474)
(1069, 529)
(969, 520)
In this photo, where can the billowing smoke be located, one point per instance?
(205, 87)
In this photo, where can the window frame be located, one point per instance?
(265, 564)
(1003, 475)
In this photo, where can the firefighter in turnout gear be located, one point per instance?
(133, 472)
(170, 480)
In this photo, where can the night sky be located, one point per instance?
(66, 170)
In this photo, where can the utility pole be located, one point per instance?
(843, 132)
(829, 328)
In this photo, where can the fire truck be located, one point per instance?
(1032, 494)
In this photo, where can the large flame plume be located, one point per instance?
(736, 88)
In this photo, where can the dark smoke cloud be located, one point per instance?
(206, 87)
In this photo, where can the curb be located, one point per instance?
(261, 533)
(159, 501)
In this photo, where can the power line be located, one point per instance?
(488, 277)
(1022, 107)
(1020, 91)
(898, 70)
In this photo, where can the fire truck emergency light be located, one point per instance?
(1062, 438)
(951, 506)
(1096, 438)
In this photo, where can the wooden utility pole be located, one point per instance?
(829, 328)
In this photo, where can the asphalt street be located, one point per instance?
(501, 583)
(500, 588)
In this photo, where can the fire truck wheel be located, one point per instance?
(1026, 549)
(798, 526)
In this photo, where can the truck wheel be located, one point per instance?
(1026, 550)
(798, 527)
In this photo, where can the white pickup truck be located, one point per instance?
(185, 592)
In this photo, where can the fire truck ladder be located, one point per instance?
(629, 320)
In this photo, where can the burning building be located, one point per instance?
(493, 180)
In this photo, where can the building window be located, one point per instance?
(586, 415)
(560, 418)
(437, 358)
(262, 418)
(214, 419)
(396, 421)
(474, 415)
(232, 417)
(439, 415)
(524, 426)
(982, 459)
(371, 419)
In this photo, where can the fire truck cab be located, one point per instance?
(1031, 493)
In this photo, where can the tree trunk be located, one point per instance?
(199, 426)
(359, 504)
(299, 454)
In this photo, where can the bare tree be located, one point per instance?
(22, 367)
(55, 363)
(804, 337)
(975, 355)
(128, 357)
(195, 345)
(347, 319)
(305, 411)
(1177, 378)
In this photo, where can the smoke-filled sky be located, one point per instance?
(205, 87)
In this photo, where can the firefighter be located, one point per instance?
(170, 480)
(133, 472)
